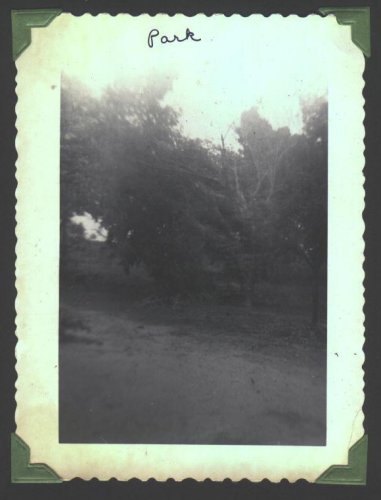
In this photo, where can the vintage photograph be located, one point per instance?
(189, 247)
(193, 237)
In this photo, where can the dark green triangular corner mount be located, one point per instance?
(24, 472)
(22, 23)
(23, 20)
(358, 18)
(352, 474)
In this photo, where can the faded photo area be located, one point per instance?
(193, 238)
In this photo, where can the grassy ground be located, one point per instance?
(135, 372)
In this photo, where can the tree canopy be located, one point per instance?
(195, 214)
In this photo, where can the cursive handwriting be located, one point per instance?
(164, 39)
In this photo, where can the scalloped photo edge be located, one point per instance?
(53, 49)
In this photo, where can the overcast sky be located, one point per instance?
(271, 63)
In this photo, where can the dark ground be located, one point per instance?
(146, 372)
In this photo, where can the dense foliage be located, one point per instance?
(198, 216)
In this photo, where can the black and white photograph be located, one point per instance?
(193, 237)
(190, 247)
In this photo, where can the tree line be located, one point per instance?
(195, 214)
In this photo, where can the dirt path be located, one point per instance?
(191, 378)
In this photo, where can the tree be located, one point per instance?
(158, 199)
(180, 206)
(301, 198)
(255, 176)
(78, 157)
(281, 194)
